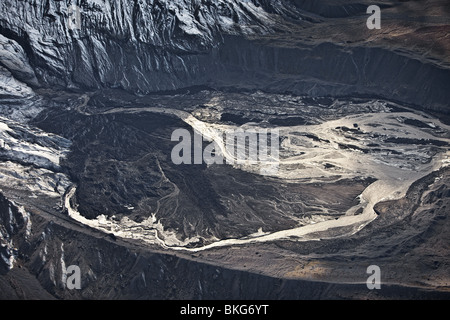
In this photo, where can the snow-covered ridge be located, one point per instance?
(13, 217)
(14, 70)
(152, 21)
(11, 87)
(31, 160)
(32, 146)
(131, 44)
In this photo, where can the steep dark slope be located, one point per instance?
(113, 269)
(166, 45)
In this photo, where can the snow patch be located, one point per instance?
(63, 267)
